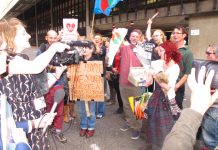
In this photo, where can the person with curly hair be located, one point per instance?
(162, 108)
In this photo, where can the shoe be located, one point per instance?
(135, 135)
(108, 100)
(61, 138)
(110, 103)
(82, 132)
(90, 133)
(125, 127)
(119, 111)
(99, 116)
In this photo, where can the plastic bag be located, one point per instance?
(139, 104)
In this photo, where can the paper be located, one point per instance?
(69, 30)
(157, 66)
(115, 42)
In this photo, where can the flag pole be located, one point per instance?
(93, 20)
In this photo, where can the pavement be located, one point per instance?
(108, 135)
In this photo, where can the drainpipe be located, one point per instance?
(87, 19)
(36, 24)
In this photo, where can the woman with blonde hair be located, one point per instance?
(28, 105)
(158, 37)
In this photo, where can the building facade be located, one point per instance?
(199, 16)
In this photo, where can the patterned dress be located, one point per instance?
(160, 119)
(21, 92)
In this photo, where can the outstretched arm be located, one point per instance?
(18, 65)
(183, 134)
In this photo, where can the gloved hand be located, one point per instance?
(201, 98)
(42, 121)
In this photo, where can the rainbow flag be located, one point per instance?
(115, 42)
(105, 6)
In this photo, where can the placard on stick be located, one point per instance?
(70, 29)
(86, 81)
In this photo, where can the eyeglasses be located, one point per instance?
(208, 53)
(155, 35)
(176, 33)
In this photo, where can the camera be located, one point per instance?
(210, 65)
(70, 56)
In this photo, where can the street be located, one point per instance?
(107, 134)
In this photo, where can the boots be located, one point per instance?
(66, 113)
(72, 110)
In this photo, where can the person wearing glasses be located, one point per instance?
(179, 35)
(212, 52)
(151, 45)
(209, 124)
(158, 37)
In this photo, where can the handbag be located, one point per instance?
(139, 105)
(137, 76)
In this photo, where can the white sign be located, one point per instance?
(195, 32)
(70, 30)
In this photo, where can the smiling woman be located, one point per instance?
(26, 101)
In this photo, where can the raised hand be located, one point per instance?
(201, 98)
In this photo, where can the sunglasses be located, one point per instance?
(208, 53)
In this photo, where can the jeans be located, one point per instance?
(22, 146)
(87, 122)
(210, 128)
(100, 108)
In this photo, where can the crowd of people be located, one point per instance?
(32, 87)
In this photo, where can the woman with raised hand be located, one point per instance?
(28, 106)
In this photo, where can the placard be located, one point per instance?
(86, 82)
(69, 30)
